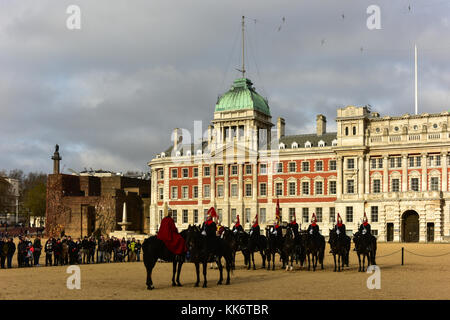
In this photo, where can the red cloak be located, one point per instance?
(168, 233)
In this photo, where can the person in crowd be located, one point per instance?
(48, 248)
(132, 250)
(3, 251)
(11, 250)
(138, 250)
(37, 250)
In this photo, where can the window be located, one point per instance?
(292, 167)
(305, 166)
(248, 189)
(292, 187)
(185, 216)
(248, 169)
(350, 163)
(434, 182)
(305, 215)
(291, 214)
(206, 191)
(395, 185)
(174, 173)
(376, 185)
(206, 171)
(220, 170)
(350, 186)
(247, 215)
(174, 216)
(174, 192)
(332, 187)
(195, 172)
(234, 170)
(262, 215)
(263, 189)
(319, 215)
(279, 189)
(374, 214)
(195, 215)
(305, 187)
(332, 218)
(219, 213)
(279, 167)
(319, 165)
(161, 194)
(332, 165)
(195, 192)
(185, 172)
(263, 168)
(185, 192)
(233, 214)
(234, 190)
(349, 214)
(220, 190)
(415, 184)
(319, 187)
(373, 163)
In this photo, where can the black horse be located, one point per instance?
(365, 245)
(257, 243)
(289, 249)
(315, 249)
(339, 246)
(204, 249)
(274, 245)
(154, 249)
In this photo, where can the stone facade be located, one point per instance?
(391, 168)
(82, 205)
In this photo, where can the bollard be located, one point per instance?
(403, 252)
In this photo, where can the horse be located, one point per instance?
(365, 245)
(289, 248)
(201, 251)
(154, 249)
(315, 249)
(339, 247)
(257, 243)
(274, 245)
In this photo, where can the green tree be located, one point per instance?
(35, 199)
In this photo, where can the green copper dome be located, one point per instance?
(242, 96)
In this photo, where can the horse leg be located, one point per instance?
(149, 268)
(219, 265)
(197, 271)
(180, 263)
(205, 266)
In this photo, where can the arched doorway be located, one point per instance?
(410, 226)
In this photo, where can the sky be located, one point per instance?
(111, 92)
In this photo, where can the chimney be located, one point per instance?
(176, 138)
(321, 124)
(280, 128)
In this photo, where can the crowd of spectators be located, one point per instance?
(65, 250)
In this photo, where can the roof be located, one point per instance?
(314, 139)
(242, 96)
